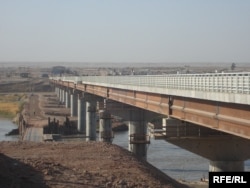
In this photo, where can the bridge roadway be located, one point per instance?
(34, 134)
(220, 101)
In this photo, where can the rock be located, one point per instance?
(13, 132)
(108, 184)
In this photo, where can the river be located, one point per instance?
(170, 159)
(5, 127)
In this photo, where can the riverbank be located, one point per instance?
(11, 104)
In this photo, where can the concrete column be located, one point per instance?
(105, 126)
(138, 138)
(57, 91)
(73, 104)
(63, 95)
(173, 127)
(90, 121)
(81, 123)
(72, 107)
(66, 99)
(226, 166)
(59, 94)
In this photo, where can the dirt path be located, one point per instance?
(41, 106)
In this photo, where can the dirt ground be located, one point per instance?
(73, 164)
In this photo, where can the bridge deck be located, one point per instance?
(223, 87)
(217, 101)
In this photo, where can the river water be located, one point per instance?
(5, 127)
(177, 163)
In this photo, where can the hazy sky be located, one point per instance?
(125, 30)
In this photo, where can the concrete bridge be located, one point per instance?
(207, 114)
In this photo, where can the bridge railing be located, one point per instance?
(212, 82)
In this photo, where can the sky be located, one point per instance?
(123, 31)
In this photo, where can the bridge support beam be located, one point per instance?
(73, 104)
(81, 123)
(138, 139)
(57, 91)
(60, 95)
(105, 126)
(90, 121)
(63, 96)
(67, 99)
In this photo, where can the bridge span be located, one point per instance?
(212, 109)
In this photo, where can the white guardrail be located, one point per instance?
(238, 83)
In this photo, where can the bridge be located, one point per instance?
(207, 114)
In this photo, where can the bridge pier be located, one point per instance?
(105, 126)
(81, 114)
(57, 91)
(90, 121)
(61, 95)
(226, 166)
(73, 103)
(67, 98)
(138, 139)
(89, 104)
(137, 123)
